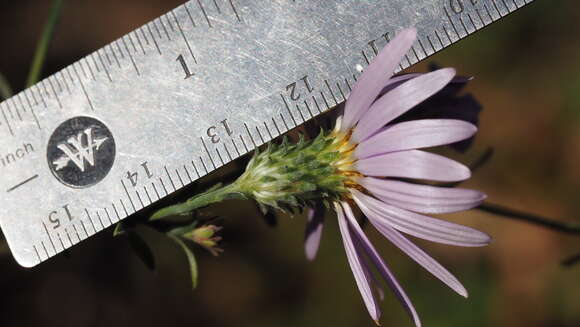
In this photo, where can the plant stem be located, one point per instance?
(44, 42)
(572, 260)
(230, 191)
(564, 227)
(5, 88)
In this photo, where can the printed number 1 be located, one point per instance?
(181, 60)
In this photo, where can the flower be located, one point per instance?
(367, 162)
(376, 153)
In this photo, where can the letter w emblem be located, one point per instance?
(78, 151)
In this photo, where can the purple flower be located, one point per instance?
(376, 152)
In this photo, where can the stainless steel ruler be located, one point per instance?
(187, 93)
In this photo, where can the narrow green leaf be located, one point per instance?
(5, 88)
(190, 259)
(44, 43)
(141, 249)
(119, 230)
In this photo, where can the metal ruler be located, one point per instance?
(187, 93)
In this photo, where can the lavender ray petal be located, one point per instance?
(428, 228)
(400, 100)
(414, 135)
(356, 265)
(400, 79)
(313, 231)
(376, 76)
(362, 241)
(422, 198)
(413, 164)
(422, 258)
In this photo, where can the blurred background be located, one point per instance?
(527, 71)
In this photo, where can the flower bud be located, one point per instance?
(206, 237)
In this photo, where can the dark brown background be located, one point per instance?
(527, 72)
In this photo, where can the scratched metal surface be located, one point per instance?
(185, 94)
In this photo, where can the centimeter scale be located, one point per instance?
(187, 93)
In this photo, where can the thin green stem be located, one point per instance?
(5, 88)
(564, 227)
(44, 43)
(214, 195)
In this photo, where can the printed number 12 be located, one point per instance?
(181, 60)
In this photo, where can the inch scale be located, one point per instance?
(187, 93)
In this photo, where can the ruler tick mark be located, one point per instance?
(131, 41)
(22, 183)
(69, 238)
(108, 215)
(147, 193)
(153, 38)
(341, 92)
(128, 196)
(54, 92)
(219, 156)
(250, 135)
(155, 189)
(187, 173)
(227, 152)
(140, 43)
(44, 248)
(203, 164)
(83, 87)
(217, 7)
(184, 38)
(308, 108)
(325, 101)
(49, 237)
(276, 126)
(124, 207)
(131, 57)
(189, 14)
(15, 107)
(208, 153)
(163, 185)
(104, 67)
(164, 28)
(91, 220)
(260, 135)
(195, 168)
(84, 228)
(268, 130)
(7, 123)
(61, 242)
(236, 147)
(116, 211)
(168, 21)
(144, 36)
(235, 10)
(76, 232)
(115, 55)
(289, 111)
(284, 121)
(37, 254)
(179, 177)
(204, 13)
(331, 93)
(139, 198)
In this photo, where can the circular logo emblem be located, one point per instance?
(81, 152)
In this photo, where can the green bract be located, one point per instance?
(284, 176)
